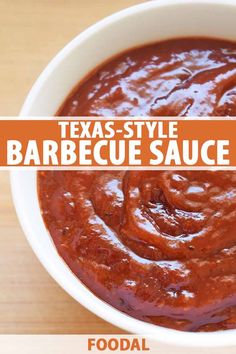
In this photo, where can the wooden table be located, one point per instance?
(32, 32)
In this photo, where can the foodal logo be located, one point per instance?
(123, 344)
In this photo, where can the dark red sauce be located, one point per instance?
(159, 246)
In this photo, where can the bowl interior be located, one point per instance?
(145, 23)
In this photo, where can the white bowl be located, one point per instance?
(148, 22)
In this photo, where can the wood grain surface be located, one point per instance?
(31, 33)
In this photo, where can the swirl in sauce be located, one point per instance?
(158, 245)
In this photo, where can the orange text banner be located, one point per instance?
(118, 143)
